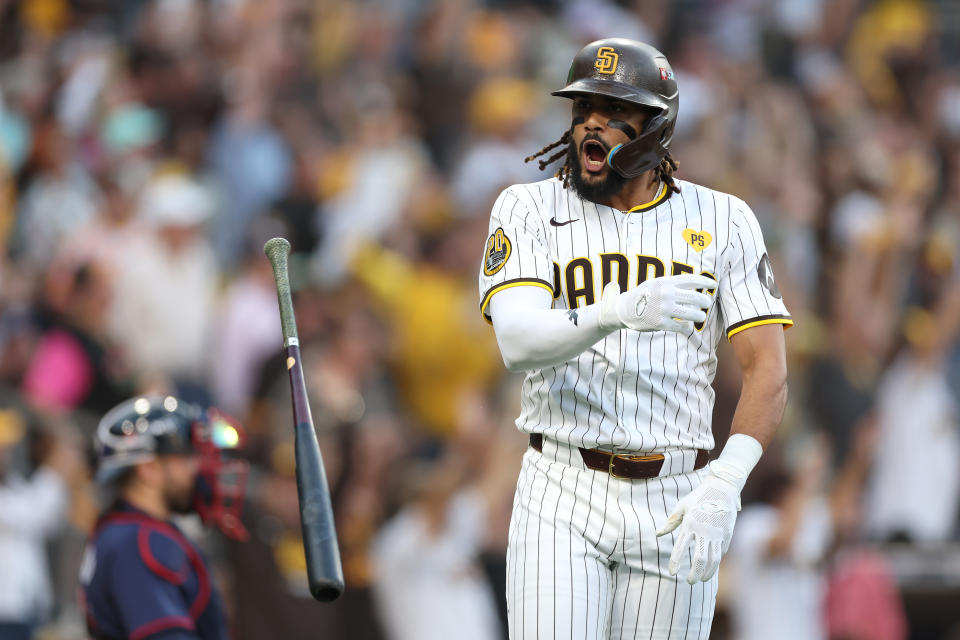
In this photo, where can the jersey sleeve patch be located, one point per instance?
(497, 252)
(765, 274)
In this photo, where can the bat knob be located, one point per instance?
(276, 247)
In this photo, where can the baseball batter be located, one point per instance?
(611, 285)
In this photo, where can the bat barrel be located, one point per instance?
(324, 570)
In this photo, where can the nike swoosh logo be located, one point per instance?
(554, 222)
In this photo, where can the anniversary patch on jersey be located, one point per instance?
(765, 273)
(699, 240)
(497, 252)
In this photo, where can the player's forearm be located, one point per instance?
(763, 398)
(532, 338)
(539, 338)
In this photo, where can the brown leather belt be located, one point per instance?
(621, 466)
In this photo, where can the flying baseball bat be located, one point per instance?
(324, 572)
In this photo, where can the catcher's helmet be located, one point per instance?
(637, 73)
(145, 427)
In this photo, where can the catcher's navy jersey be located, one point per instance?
(142, 578)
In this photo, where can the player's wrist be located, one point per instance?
(625, 309)
(608, 316)
(738, 458)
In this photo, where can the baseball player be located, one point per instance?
(141, 577)
(611, 285)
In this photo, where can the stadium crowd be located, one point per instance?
(148, 148)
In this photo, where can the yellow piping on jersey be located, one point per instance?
(787, 322)
(508, 285)
(657, 199)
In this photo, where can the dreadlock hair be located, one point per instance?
(664, 170)
(563, 172)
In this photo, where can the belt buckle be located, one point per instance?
(613, 458)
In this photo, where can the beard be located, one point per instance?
(180, 495)
(180, 501)
(599, 190)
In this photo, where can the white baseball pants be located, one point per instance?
(584, 561)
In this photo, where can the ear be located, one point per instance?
(150, 473)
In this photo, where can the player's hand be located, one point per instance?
(706, 517)
(659, 304)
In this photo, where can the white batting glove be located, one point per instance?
(659, 304)
(707, 514)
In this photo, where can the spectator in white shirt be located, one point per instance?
(914, 488)
(165, 292)
(779, 554)
(775, 557)
(428, 582)
(32, 510)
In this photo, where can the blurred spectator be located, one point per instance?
(249, 332)
(428, 578)
(914, 488)
(32, 509)
(784, 542)
(59, 199)
(166, 283)
(776, 555)
(252, 163)
(428, 583)
(441, 347)
(861, 599)
(73, 365)
(381, 158)
(499, 111)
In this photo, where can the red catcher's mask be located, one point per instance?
(221, 482)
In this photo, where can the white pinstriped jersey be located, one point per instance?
(632, 391)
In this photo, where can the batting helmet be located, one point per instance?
(637, 73)
(146, 427)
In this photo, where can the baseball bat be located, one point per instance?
(324, 571)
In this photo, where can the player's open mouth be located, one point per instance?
(594, 155)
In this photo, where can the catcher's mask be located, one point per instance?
(636, 73)
(146, 427)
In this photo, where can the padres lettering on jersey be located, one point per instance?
(631, 391)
